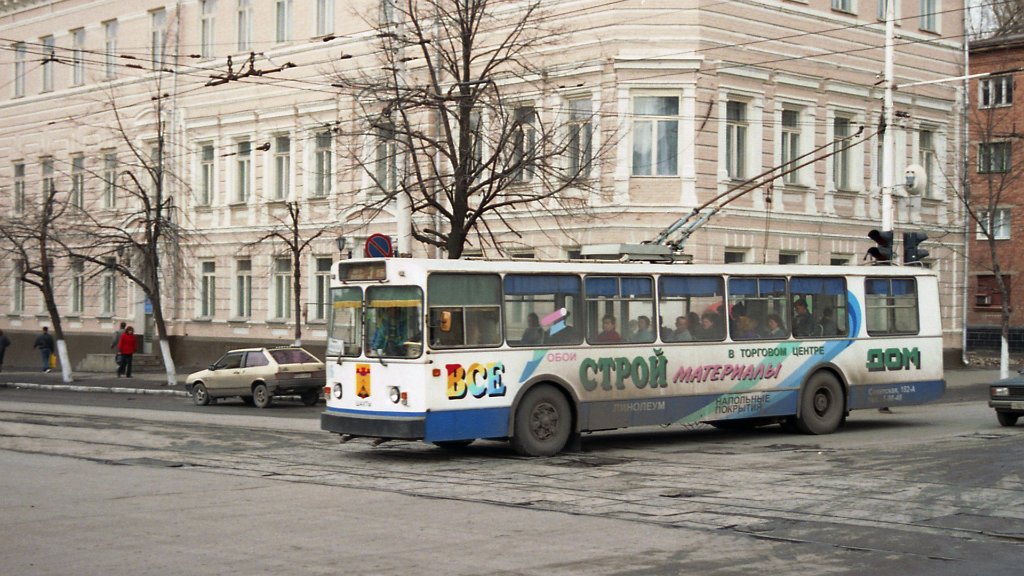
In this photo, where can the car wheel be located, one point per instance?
(260, 395)
(310, 397)
(1007, 418)
(543, 422)
(822, 405)
(200, 395)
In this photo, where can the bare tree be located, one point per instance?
(139, 232)
(453, 123)
(32, 238)
(297, 239)
(1002, 18)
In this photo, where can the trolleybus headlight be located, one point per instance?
(1000, 391)
(336, 391)
(394, 394)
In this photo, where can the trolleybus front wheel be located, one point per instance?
(822, 405)
(543, 422)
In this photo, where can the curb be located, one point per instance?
(105, 389)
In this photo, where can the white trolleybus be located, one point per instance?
(448, 351)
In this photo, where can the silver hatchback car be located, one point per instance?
(259, 374)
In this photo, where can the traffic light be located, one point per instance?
(882, 252)
(912, 252)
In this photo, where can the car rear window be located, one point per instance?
(292, 356)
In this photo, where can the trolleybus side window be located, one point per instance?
(698, 300)
(891, 306)
(757, 307)
(551, 300)
(819, 307)
(464, 310)
(619, 309)
(346, 322)
(394, 318)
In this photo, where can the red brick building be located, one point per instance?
(996, 172)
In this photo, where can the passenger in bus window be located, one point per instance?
(533, 333)
(775, 329)
(608, 333)
(643, 330)
(391, 333)
(682, 332)
(803, 323)
(827, 323)
(711, 326)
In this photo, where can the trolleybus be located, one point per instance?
(538, 353)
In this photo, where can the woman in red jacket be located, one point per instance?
(126, 346)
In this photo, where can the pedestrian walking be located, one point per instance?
(115, 341)
(126, 346)
(44, 342)
(4, 343)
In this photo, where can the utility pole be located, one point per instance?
(888, 145)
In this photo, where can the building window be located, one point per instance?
(243, 289)
(207, 26)
(77, 196)
(929, 16)
(207, 289)
(998, 221)
(841, 260)
(926, 151)
(987, 293)
(18, 299)
(108, 296)
(524, 143)
(386, 159)
(735, 139)
(282, 167)
(48, 59)
(996, 91)
(388, 12)
(77, 59)
(109, 179)
(790, 145)
(110, 48)
(789, 257)
(19, 189)
(581, 134)
(323, 288)
(993, 157)
(843, 6)
(841, 157)
(206, 181)
(322, 164)
(77, 286)
(157, 36)
(283, 17)
(324, 17)
(244, 24)
(282, 288)
(655, 136)
(735, 256)
(49, 182)
(19, 69)
(243, 171)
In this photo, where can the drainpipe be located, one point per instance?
(965, 187)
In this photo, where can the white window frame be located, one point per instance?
(206, 173)
(385, 160)
(77, 195)
(242, 308)
(19, 189)
(282, 21)
(207, 28)
(845, 6)
(737, 134)
(207, 305)
(322, 175)
(110, 49)
(49, 57)
(109, 179)
(243, 22)
(242, 171)
(525, 142)
(282, 288)
(158, 36)
(282, 181)
(790, 143)
(321, 287)
(655, 126)
(1001, 224)
(108, 290)
(927, 146)
(18, 288)
(995, 92)
(929, 19)
(48, 182)
(77, 57)
(20, 55)
(77, 272)
(324, 17)
(580, 128)
(842, 160)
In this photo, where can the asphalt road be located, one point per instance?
(111, 484)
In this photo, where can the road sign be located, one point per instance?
(378, 246)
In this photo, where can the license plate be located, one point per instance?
(303, 375)
(1017, 405)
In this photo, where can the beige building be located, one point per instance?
(689, 98)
